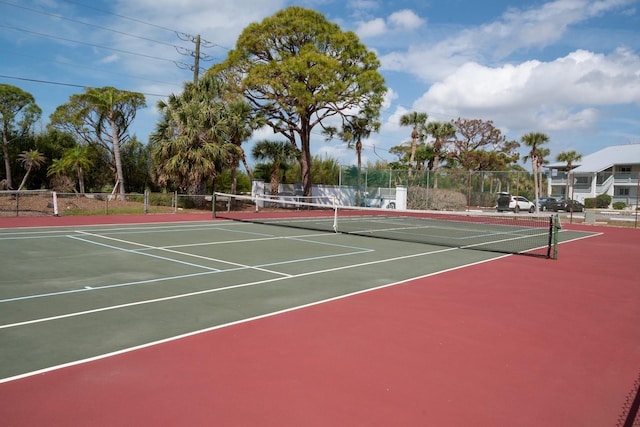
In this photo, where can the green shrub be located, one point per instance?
(135, 197)
(161, 199)
(603, 201)
(589, 202)
(619, 205)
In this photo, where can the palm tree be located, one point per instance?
(240, 127)
(353, 132)
(77, 158)
(59, 179)
(543, 153)
(424, 155)
(114, 111)
(192, 141)
(30, 160)
(442, 132)
(568, 157)
(279, 153)
(534, 140)
(417, 122)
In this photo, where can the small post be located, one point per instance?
(335, 215)
(55, 204)
(557, 228)
(213, 203)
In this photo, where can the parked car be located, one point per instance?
(567, 205)
(509, 202)
(544, 203)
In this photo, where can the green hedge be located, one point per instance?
(601, 201)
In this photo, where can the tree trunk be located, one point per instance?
(359, 155)
(246, 167)
(305, 159)
(81, 180)
(196, 189)
(437, 146)
(7, 161)
(24, 180)
(116, 157)
(414, 146)
(534, 167)
(275, 180)
(234, 178)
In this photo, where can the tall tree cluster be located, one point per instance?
(18, 113)
(101, 116)
(198, 136)
(298, 71)
(293, 72)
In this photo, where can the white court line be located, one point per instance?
(209, 291)
(267, 315)
(133, 251)
(357, 251)
(183, 276)
(116, 285)
(239, 322)
(178, 253)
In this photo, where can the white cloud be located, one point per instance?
(406, 19)
(372, 28)
(541, 26)
(390, 96)
(555, 94)
(403, 20)
(517, 29)
(110, 59)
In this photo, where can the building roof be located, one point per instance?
(605, 158)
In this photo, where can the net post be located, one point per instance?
(55, 204)
(550, 240)
(213, 204)
(335, 215)
(556, 229)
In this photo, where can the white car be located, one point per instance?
(508, 202)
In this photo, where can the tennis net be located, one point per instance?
(503, 233)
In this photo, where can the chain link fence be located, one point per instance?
(445, 189)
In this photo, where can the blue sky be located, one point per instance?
(567, 68)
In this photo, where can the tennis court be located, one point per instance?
(106, 311)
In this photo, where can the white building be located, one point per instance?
(613, 170)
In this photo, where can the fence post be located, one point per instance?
(55, 204)
(401, 197)
(637, 199)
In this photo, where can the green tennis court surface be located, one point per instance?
(70, 294)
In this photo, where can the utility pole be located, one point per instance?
(197, 55)
(196, 65)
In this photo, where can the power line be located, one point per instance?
(197, 40)
(57, 61)
(66, 84)
(85, 43)
(89, 24)
(205, 43)
(119, 16)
